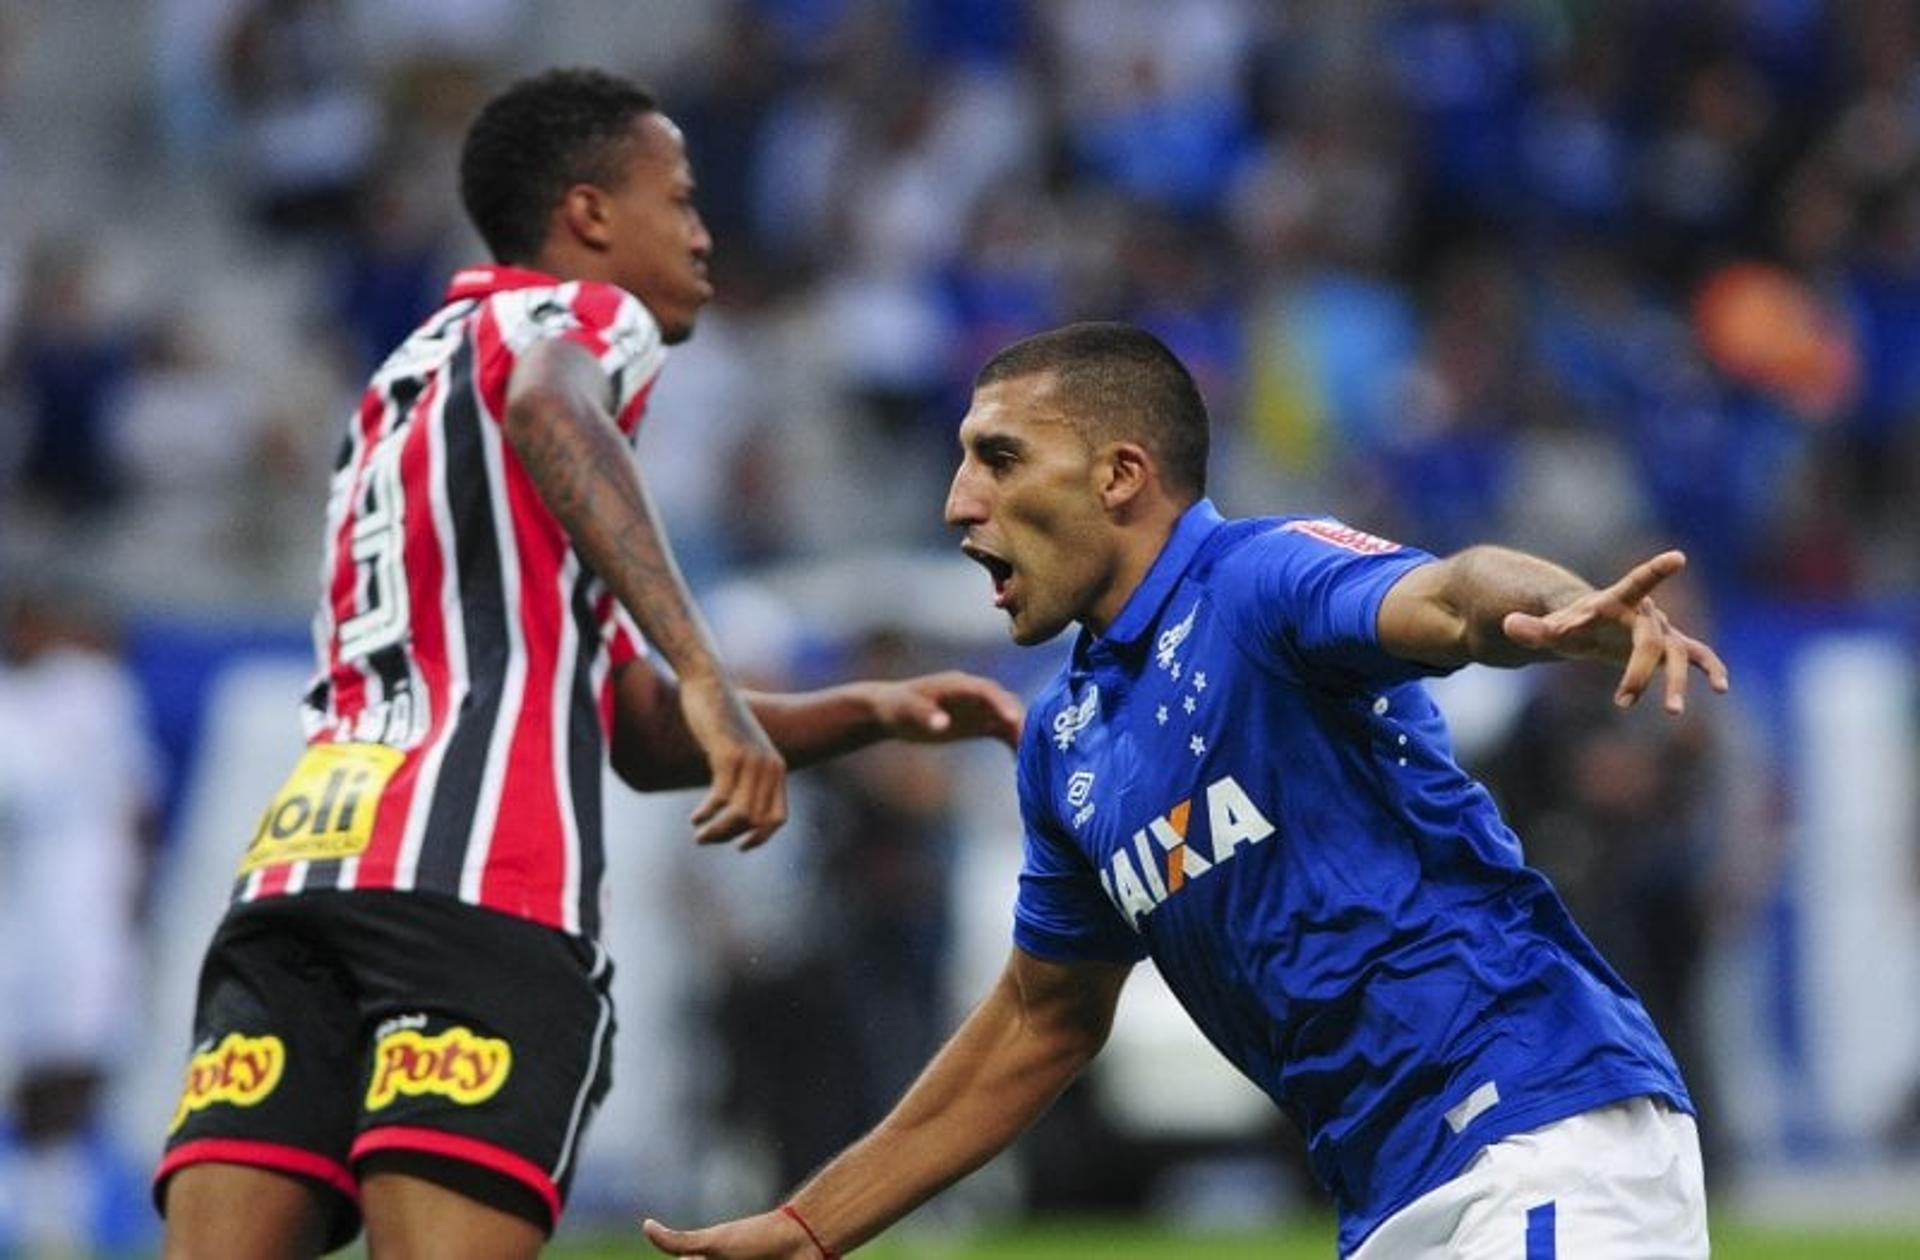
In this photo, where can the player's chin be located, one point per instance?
(677, 323)
(677, 327)
(1029, 631)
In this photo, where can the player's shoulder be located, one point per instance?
(1237, 551)
(1262, 564)
(588, 310)
(1277, 539)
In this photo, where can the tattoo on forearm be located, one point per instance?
(585, 477)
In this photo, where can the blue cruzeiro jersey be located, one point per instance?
(1238, 782)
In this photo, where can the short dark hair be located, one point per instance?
(534, 141)
(1118, 381)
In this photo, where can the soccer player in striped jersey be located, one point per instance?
(404, 1016)
(1239, 775)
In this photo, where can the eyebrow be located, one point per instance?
(986, 444)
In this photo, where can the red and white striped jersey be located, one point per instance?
(459, 719)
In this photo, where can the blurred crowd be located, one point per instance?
(1568, 272)
(1585, 276)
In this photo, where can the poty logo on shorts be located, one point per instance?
(458, 1064)
(1073, 719)
(1171, 639)
(1344, 536)
(241, 1071)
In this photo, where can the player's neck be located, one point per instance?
(1138, 545)
(566, 260)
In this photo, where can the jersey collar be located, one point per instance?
(473, 282)
(1190, 532)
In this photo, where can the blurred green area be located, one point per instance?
(1122, 1241)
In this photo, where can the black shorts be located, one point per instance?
(338, 1032)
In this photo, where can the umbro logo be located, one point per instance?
(1080, 796)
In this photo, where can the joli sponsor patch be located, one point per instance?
(327, 806)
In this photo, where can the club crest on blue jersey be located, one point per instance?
(1166, 858)
(1070, 721)
(1172, 637)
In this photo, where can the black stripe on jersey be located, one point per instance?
(483, 609)
(584, 754)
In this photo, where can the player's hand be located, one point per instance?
(941, 708)
(1620, 624)
(769, 1236)
(747, 799)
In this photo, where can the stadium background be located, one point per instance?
(1588, 278)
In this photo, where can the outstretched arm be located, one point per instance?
(1015, 1053)
(653, 750)
(559, 426)
(1499, 607)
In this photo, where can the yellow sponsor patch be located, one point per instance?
(458, 1064)
(327, 806)
(241, 1071)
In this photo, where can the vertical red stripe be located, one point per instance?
(492, 364)
(524, 867)
(629, 418)
(426, 579)
(621, 645)
(607, 693)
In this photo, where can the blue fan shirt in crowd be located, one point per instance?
(1237, 781)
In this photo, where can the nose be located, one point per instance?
(702, 241)
(965, 506)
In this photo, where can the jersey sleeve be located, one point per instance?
(604, 320)
(1060, 913)
(1307, 593)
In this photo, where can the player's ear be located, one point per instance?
(586, 214)
(1125, 469)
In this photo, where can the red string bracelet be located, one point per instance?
(826, 1252)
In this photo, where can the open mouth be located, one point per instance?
(999, 570)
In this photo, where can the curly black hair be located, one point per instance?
(534, 141)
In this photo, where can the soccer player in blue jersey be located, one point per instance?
(1239, 775)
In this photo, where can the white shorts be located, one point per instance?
(1621, 1182)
